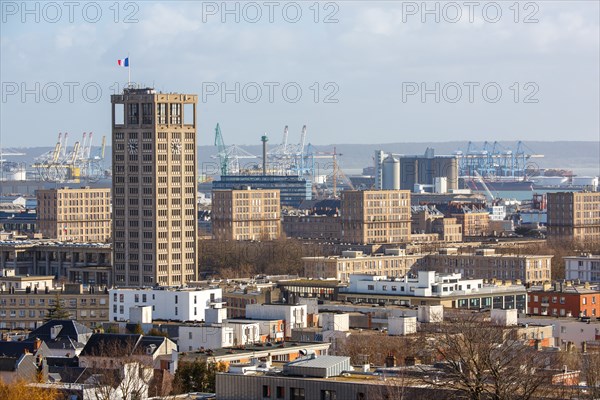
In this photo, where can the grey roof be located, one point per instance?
(70, 329)
(318, 362)
(100, 343)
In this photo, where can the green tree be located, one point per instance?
(197, 376)
(157, 332)
(58, 310)
(138, 329)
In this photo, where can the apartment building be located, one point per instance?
(322, 227)
(237, 298)
(393, 262)
(87, 263)
(574, 216)
(585, 268)
(247, 214)
(431, 288)
(428, 219)
(486, 264)
(565, 299)
(155, 211)
(474, 221)
(375, 216)
(189, 304)
(26, 308)
(75, 215)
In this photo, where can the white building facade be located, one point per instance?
(585, 268)
(167, 304)
(193, 338)
(427, 284)
(295, 316)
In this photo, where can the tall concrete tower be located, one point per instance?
(155, 212)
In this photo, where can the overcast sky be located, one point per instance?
(352, 71)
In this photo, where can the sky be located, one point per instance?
(352, 71)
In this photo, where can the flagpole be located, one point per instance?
(128, 72)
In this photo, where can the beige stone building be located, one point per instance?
(574, 216)
(25, 304)
(393, 263)
(75, 215)
(155, 211)
(428, 219)
(87, 263)
(474, 222)
(486, 264)
(323, 227)
(247, 214)
(375, 216)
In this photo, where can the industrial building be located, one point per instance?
(75, 215)
(155, 205)
(248, 214)
(293, 189)
(437, 174)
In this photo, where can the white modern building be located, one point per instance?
(400, 326)
(270, 329)
(335, 321)
(426, 284)
(586, 268)
(567, 330)
(167, 303)
(497, 213)
(193, 338)
(244, 332)
(295, 316)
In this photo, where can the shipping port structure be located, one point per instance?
(293, 168)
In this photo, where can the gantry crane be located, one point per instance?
(229, 156)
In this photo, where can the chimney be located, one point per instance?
(411, 361)
(37, 343)
(584, 347)
(264, 139)
(390, 360)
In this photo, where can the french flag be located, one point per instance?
(124, 62)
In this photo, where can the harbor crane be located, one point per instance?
(229, 156)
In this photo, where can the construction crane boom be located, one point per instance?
(221, 150)
(485, 187)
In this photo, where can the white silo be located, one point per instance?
(391, 173)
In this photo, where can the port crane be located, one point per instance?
(79, 163)
(337, 172)
(229, 156)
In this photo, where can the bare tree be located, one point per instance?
(118, 369)
(590, 365)
(484, 361)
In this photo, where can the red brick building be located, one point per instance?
(565, 300)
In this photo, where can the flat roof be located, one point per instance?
(20, 278)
